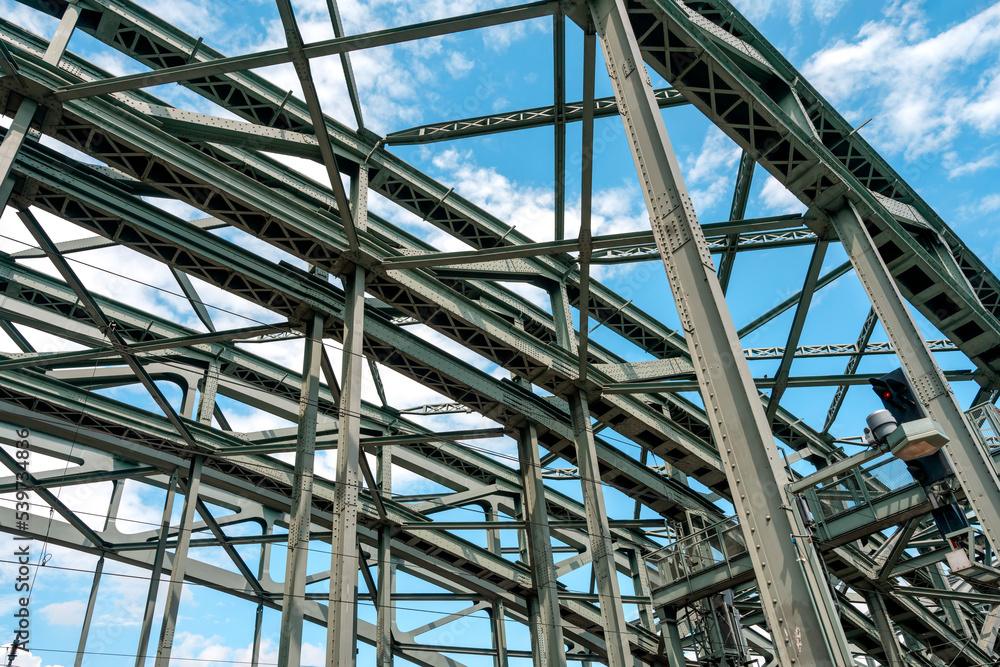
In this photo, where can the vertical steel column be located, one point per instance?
(548, 649)
(559, 119)
(154, 575)
(640, 586)
(671, 637)
(293, 600)
(386, 570)
(601, 544)
(796, 601)
(18, 129)
(258, 619)
(972, 464)
(497, 611)
(88, 615)
(188, 396)
(209, 389)
(890, 644)
(178, 564)
(341, 628)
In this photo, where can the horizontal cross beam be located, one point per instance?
(517, 120)
(520, 250)
(767, 383)
(328, 47)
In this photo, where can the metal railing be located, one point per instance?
(718, 543)
(986, 420)
(723, 541)
(857, 487)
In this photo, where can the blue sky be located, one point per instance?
(927, 73)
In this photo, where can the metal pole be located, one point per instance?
(973, 467)
(386, 570)
(601, 545)
(890, 644)
(188, 404)
(546, 623)
(672, 647)
(795, 599)
(88, 615)
(341, 630)
(258, 620)
(559, 119)
(497, 613)
(293, 600)
(178, 565)
(154, 575)
(11, 144)
(640, 586)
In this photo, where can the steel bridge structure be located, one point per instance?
(859, 579)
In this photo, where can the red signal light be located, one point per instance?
(887, 394)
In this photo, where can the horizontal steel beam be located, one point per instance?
(381, 441)
(50, 359)
(516, 120)
(767, 383)
(328, 47)
(842, 349)
(572, 245)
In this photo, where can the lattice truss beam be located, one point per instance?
(694, 594)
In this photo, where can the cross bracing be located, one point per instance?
(622, 426)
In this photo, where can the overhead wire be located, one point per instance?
(277, 597)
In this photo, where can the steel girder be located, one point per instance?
(47, 405)
(516, 120)
(412, 293)
(289, 292)
(156, 44)
(41, 293)
(726, 68)
(139, 34)
(48, 304)
(836, 539)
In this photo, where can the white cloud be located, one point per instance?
(922, 102)
(23, 659)
(64, 613)
(197, 18)
(984, 113)
(531, 208)
(29, 19)
(394, 82)
(777, 200)
(958, 168)
(198, 650)
(988, 204)
(459, 65)
(756, 11)
(709, 174)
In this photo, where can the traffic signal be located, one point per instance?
(897, 396)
